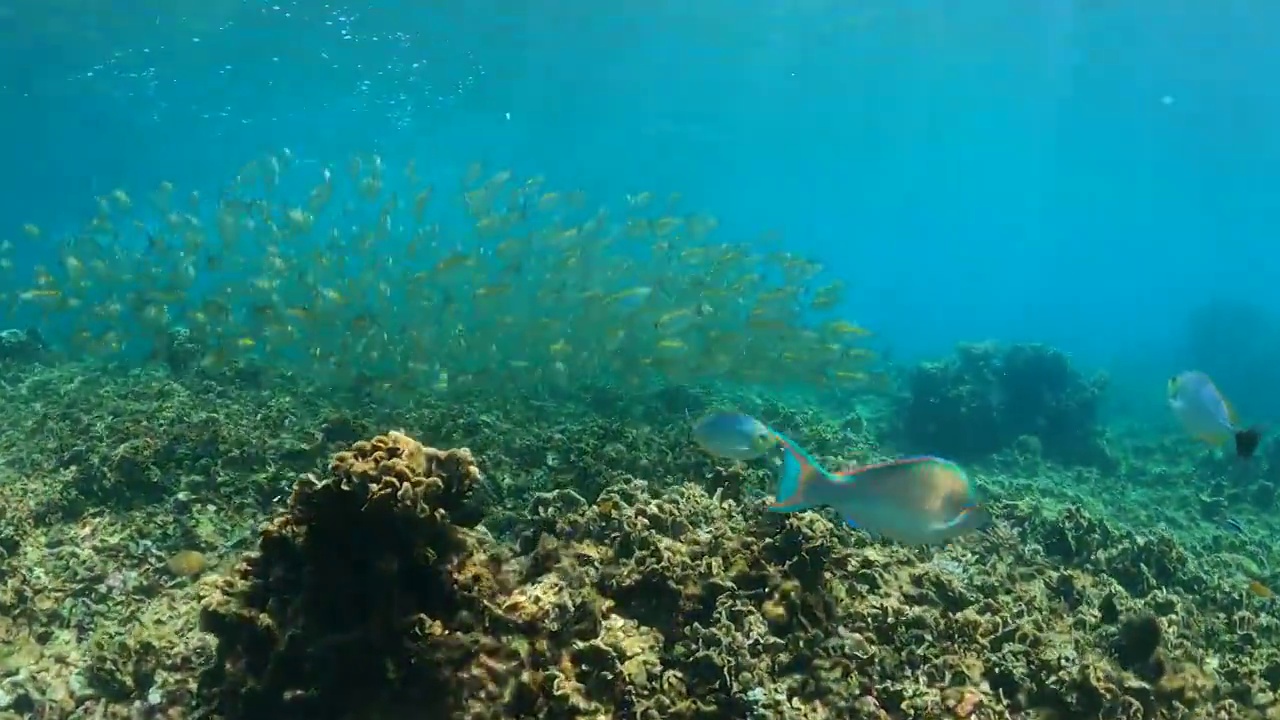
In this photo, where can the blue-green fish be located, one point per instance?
(1206, 414)
(734, 436)
(915, 501)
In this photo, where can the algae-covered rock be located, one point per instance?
(990, 398)
(374, 561)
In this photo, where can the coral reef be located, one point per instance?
(602, 567)
(989, 398)
(374, 562)
(681, 604)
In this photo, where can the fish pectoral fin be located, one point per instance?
(847, 517)
(943, 526)
(854, 526)
(971, 518)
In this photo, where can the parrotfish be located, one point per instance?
(916, 500)
(734, 436)
(1206, 414)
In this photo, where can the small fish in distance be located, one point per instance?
(734, 436)
(1206, 414)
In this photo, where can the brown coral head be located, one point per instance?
(395, 468)
(393, 453)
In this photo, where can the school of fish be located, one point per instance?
(381, 277)
(376, 278)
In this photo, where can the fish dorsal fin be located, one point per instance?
(853, 472)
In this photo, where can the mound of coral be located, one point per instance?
(990, 398)
(374, 594)
(378, 563)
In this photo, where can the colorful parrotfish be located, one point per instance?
(915, 501)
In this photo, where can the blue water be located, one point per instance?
(1079, 173)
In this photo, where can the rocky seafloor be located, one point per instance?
(177, 547)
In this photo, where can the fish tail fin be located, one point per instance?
(1247, 442)
(799, 474)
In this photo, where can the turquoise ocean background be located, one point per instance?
(1082, 174)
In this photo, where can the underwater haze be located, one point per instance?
(666, 360)
(1078, 173)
